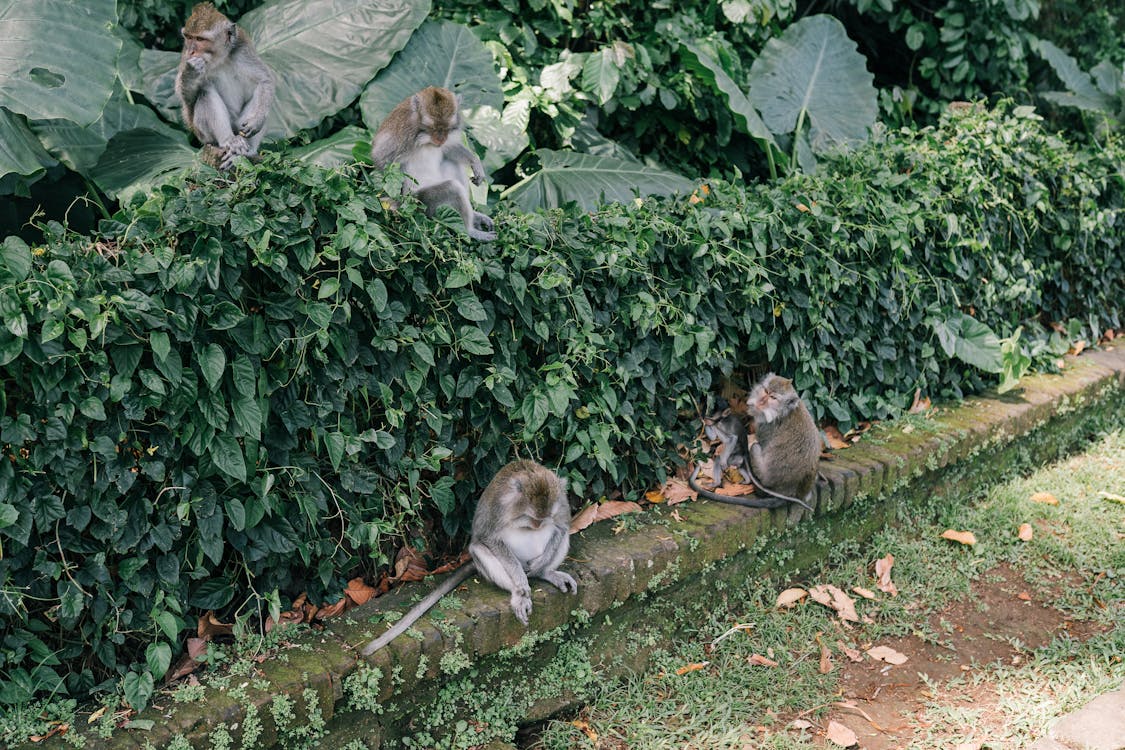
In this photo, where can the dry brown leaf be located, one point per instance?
(693, 667)
(920, 404)
(865, 593)
(358, 591)
(584, 518)
(834, 598)
(677, 491)
(790, 597)
(409, 565)
(836, 439)
(883, 573)
(612, 508)
(849, 652)
(1077, 348)
(735, 490)
(57, 727)
(800, 724)
(1026, 532)
(96, 715)
(839, 734)
(887, 654)
(802, 208)
(331, 610)
(967, 746)
(452, 565)
(850, 705)
(761, 661)
(1044, 497)
(964, 537)
(586, 729)
(676, 516)
(209, 626)
(654, 496)
(1110, 496)
(1024, 596)
(196, 647)
(825, 665)
(734, 476)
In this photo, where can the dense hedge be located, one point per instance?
(262, 384)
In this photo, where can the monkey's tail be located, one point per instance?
(454, 580)
(746, 502)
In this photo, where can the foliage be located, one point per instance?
(1101, 91)
(263, 383)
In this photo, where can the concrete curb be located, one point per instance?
(627, 582)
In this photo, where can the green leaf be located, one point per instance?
(970, 341)
(42, 73)
(227, 455)
(141, 159)
(441, 492)
(158, 657)
(160, 344)
(1082, 91)
(9, 514)
(590, 181)
(166, 621)
(535, 410)
(92, 407)
(328, 288)
(138, 687)
(813, 72)
(335, 150)
(20, 151)
(335, 442)
(323, 53)
(213, 363)
(236, 513)
(600, 74)
(15, 257)
(474, 341)
(745, 116)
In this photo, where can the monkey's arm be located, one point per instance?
(189, 83)
(384, 150)
(453, 581)
(546, 565)
(496, 562)
(253, 116)
(460, 153)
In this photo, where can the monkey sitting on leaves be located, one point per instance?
(423, 135)
(225, 88)
(521, 529)
(783, 460)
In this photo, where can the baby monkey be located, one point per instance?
(770, 462)
(521, 528)
(423, 135)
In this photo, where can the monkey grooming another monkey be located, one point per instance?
(722, 424)
(225, 88)
(423, 135)
(521, 528)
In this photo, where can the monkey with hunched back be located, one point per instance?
(521, 529)
(782, 461)
(423, 135)
(225, 88)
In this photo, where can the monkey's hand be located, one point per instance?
(235, 147)
(562, 581)
(197, 64)
(478, 177)
(249, 125)
(521, 605)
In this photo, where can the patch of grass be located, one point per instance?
(1075, 553)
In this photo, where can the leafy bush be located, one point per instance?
(265, 383)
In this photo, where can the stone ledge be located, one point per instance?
(625, 578)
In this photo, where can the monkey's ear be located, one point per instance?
(232, 32)
(183, 33)
(458, 98)
(415, 103)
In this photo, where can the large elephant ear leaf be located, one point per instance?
(140, 159)
(449, 55)
(58, 58)
(590, 181)
(324, 52)
(814, 73)
(22, 157)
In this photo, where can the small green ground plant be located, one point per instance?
(259, 384)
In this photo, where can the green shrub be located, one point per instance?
(266, 382)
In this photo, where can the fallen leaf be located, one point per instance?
(834, 598)
(358, 591)
(1044, 497)
(677, 517)
(584, 518)
(1111, 496)
(802, 208)
(853, 707)
(693, 667)
(967, 746)
(836, 439)
(677, 491)
(58, 728)
(196, 648)
(908, 429)
(1024, 596)
(735, 490)
(1077, 348)
(964, 537)
(331, 610)
(210, 627)
(800, 724)
(409, 565)
(838, 734)
(586, 729)
(849, 652)
(865, 593)
(920, 404)
(761, 661)
(887, 654)
(654, 496)
(790, 597)
(825, 665)
(1026, 532)
(883, 573)
(613, 508)
(96, 715)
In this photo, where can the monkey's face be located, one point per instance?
(208, 45)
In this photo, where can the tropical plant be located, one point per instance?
(1099, 92)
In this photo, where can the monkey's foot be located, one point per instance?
(235, 147)
(481, 228)
(521, 605)
(562, 581)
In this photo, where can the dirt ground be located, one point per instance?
(889, 701)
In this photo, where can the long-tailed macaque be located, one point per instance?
(772, 456)
(521, 529)
(423, 135)
(225, 88)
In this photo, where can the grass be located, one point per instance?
(1074, 562)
